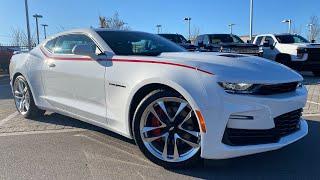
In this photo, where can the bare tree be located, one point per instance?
(20, 38)
(195, 32)
(102, 22)
(314, 31)
(114, 22)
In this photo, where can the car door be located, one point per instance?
(269, 50)
(75, 83)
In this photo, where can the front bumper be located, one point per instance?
(263, 109)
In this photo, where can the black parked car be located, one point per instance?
(179, 39)
(227, 43)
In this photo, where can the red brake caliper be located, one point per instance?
(156, 123)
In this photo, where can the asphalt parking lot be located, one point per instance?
(58, 147)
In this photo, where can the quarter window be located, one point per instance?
(50, 44)
(66, 43)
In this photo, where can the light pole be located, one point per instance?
(158, 27)
(37, 16)
(310, 26)
(28, 25)
(230, 26)
(251, 18)
(189, 22)
(44, 30)
(289, 21)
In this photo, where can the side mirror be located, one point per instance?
(189, 41)
(83, 49)
(313, 41)
(200, 44)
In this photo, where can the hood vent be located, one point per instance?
(232, 55)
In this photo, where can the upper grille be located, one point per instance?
(276, 88)
(313, 54)
(284, 125)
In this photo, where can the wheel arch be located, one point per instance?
(16, 74)
(143, 90)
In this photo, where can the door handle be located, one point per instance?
(52, 65)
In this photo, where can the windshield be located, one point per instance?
(177, 38)
(290, 39)
(128, 43)
(224, 38)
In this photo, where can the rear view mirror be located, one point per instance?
(83, 49)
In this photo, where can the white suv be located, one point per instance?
(291, 50)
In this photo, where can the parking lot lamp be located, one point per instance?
(289, 21)
(36, 16)
(310, 26)
(28, 25)
(230, 26)
(189, 22)
(158, 28)
(44, 30)
(251, 19)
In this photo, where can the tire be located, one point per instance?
(182, 149)
(23, 99)
(316, 73)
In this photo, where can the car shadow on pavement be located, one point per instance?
(299, 160)
(67, 122)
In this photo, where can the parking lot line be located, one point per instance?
(11, 116)
(311, 115)
(41, 132)
(311, 102)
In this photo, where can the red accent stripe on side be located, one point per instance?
(159, 62)
(124, 60)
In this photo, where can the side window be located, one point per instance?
(258, 41)
(50, 44)
(206, 40)
(269, 39)
(66, 43)
(199, 39)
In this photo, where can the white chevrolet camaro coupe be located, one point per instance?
(178, 106)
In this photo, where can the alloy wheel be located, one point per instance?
(21, 96)
(169, 129)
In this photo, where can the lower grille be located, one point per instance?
(284, 125)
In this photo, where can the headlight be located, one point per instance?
(300, 84)
(301, 52)
(237, 88)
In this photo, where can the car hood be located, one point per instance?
(303, 45)
(236, 68)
